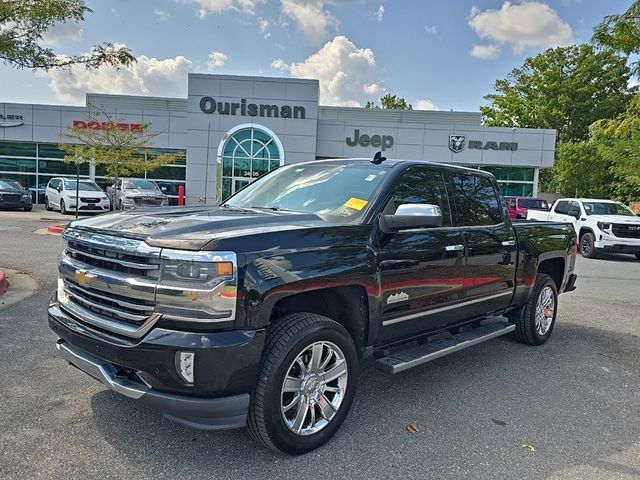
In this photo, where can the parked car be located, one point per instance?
(602, 225)
(63, 194)
(519, 206)
(130, 193)
(13, 195)
(260, 310)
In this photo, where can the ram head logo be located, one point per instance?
(456, 143)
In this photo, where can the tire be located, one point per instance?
(528, 330)
(587, 245)
(29, 208)
(637, 256)
(47, 207)
(63, 209)
(290, 339)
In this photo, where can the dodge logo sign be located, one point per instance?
(456, 143)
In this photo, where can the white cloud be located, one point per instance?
(310, 17)
(264, 26)
(431, 29)
(61, 32)
(147, 76)
(529, 24)
(162, 15)
(216, 60)
(209, 7)
(425, 104)
(485, 52)
(348, 75)
(380, 13)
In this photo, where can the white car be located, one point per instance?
(60, 194)
(602, 225)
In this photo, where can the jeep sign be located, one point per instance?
(376, 141)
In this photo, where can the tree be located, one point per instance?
(391, 102)
(618, 142)
(23, 23)
(580, 170)
(621, 33)
(122, 149)
(565, 88)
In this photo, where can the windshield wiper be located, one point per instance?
(274, 208)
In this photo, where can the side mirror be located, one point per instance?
(574, 213)
(412, 215)
(164, 189)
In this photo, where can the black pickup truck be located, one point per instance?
(259, 311)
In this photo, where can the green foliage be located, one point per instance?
(565, 88)
(581, 171)
(621, 33)
(120, 151)
(618, 142)
(391, 102)
(23, 24)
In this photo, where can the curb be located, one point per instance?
(4, 283)
(56, 229)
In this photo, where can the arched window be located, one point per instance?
(246, 152)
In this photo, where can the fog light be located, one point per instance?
(185, 363)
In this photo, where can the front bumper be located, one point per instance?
(618, 245)
(226, 369)
(102, 206)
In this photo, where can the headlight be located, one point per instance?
(604, 226)
(197, 286)
(73, 195)
(26, 196)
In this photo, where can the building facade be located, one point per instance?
(232, 129)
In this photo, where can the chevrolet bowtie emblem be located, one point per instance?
(83, 278)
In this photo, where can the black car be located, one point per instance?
(12, 195)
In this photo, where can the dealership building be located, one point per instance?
(232, 129)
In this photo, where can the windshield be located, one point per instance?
(337, 193)
(606, 208)
(533, 203)
(84, 186)
(139, 183)
(10, 185)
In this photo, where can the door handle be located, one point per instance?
(454, 248)
(509, 243)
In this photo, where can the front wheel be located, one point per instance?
(306, 384)
(28, 208)
(535, 324)
(587, 245)
(47, 205)
(63, 209)
(637, 256)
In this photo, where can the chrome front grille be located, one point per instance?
(109, 282)
(154, 201)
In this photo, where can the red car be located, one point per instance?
(519, 206)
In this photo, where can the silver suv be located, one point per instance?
(128, 193)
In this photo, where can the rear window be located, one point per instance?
(533, 204)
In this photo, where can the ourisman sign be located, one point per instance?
(209, 105)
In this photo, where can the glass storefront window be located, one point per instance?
(17, 165)
(49, 150)
(519, 174)
(18, 149)
(59, 167)
(516, 189)
(247, 154)
(168, 173)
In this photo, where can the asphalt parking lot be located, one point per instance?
(567, 409)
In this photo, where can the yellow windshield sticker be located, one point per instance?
(355, 203)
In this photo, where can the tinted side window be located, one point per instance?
(477, 200)
(562, 207)
(421, 185)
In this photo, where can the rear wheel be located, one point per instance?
(306, 384)
(587, 245)
(63, 209)
(538, 317)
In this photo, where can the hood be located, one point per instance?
(13, 190)
(191, 228)
(130, 192)
(615, 219)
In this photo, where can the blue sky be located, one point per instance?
(436, 54)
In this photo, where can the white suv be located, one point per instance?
(602, 225)
(61, 195)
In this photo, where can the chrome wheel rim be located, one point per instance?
(314, 387)
(545, 310)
